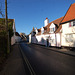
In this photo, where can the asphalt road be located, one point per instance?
(47, 62)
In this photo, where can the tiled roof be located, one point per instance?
(56, 22)
(70, 15)
(17, 34)
(39, 31)
(47, 29)
(57, 31)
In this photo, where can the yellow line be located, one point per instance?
(27, 62)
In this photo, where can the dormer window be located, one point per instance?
(36, 30)
(42, 30)
(52, 28)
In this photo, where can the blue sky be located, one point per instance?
(32, 13)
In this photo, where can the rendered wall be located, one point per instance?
(30, 38)
(52, 40)
(58, 40)
(15, 39)
(42, 39)
(12, 40)
(66, 31)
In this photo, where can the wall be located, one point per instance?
(33, 39)
(15, 39)
(12, 40)
(58, 40)
(29, 38)
(42, 39)
(52, 40)
(68, 35)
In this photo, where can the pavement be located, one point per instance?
(14, 64)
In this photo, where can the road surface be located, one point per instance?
(47, 62)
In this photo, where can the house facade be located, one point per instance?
(58, 33)
(46, 35)
(16, 37)
(68, 28)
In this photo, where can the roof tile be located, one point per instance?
(70, 15)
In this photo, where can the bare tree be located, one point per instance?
(1, 12)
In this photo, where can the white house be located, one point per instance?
(16, 37)
(68, 28)
(60, 32)
(46, 35)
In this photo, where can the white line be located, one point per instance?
(27, 62)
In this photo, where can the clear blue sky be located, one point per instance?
(32, 13)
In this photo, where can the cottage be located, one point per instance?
(60, 32)
(68, 28)
(16, 37)
(46, 35)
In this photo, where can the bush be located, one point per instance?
(3, 43)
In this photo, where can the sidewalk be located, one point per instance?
(64, 51)
(14, 64)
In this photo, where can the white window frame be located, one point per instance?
(69, 38)
(52, 28)
(36, 31)
(72, 24)
(42, 30)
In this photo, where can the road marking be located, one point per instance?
(27, 62)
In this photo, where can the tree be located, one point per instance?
(1, 12)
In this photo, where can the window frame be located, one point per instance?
(73, 23)
(69, 38)
(52, 30)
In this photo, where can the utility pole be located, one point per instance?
(6, 24)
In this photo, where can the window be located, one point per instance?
(51, 40)
(73, 23)
(69, 38)
(52, 29)
(70, 24)
(36, 31)
(42, 30)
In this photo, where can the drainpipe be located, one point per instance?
(55, 39)
(60, 39)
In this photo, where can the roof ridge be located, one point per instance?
(58, 18)
(73, 3)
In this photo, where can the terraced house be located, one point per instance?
(68, 28)
(58, 33)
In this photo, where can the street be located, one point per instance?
(47, 62)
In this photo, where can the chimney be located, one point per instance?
(46, 22)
